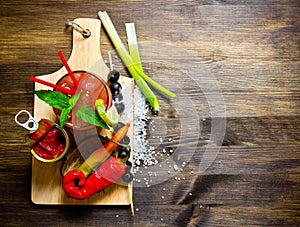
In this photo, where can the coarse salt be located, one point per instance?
(143, 152)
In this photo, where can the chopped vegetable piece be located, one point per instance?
(51, 146)
(76, 186)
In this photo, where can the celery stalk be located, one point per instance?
(136, 73)
(134, 54)
(133, 46)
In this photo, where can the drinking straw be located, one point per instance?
(57, 87)
(64, 61)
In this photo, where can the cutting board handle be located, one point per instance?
(86, 53)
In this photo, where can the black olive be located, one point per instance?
(128, 165)
(118, 97)
(120, 107)
(113, 76)
(125, 140)
(123, 153)
(115, 88)
(127, 177)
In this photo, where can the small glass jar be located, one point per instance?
(49, 143)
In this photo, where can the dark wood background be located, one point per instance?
(252, 49)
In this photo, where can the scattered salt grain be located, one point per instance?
(175, 167)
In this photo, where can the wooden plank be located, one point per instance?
(252, 49)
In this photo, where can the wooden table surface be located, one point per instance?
(236, 63)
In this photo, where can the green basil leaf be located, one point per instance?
(53, 98)
(73, 100)
(87, 114)
(64, 115)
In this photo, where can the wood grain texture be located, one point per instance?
(251, 48)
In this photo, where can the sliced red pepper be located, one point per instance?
(51, 146)
(76, 186)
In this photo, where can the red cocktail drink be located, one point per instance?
(91, 88)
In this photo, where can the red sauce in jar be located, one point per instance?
(51, 146)
(49, 142)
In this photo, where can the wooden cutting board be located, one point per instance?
(46, 178)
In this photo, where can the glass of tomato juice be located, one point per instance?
(92, 88)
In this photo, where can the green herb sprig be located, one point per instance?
(59, 101)
(87, 114)
(66, 104)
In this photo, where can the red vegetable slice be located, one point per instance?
(51, 145)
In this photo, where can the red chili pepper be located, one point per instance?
(107, 174)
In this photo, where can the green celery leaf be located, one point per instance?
(53, 98)
(63, 116)
(87, 114)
